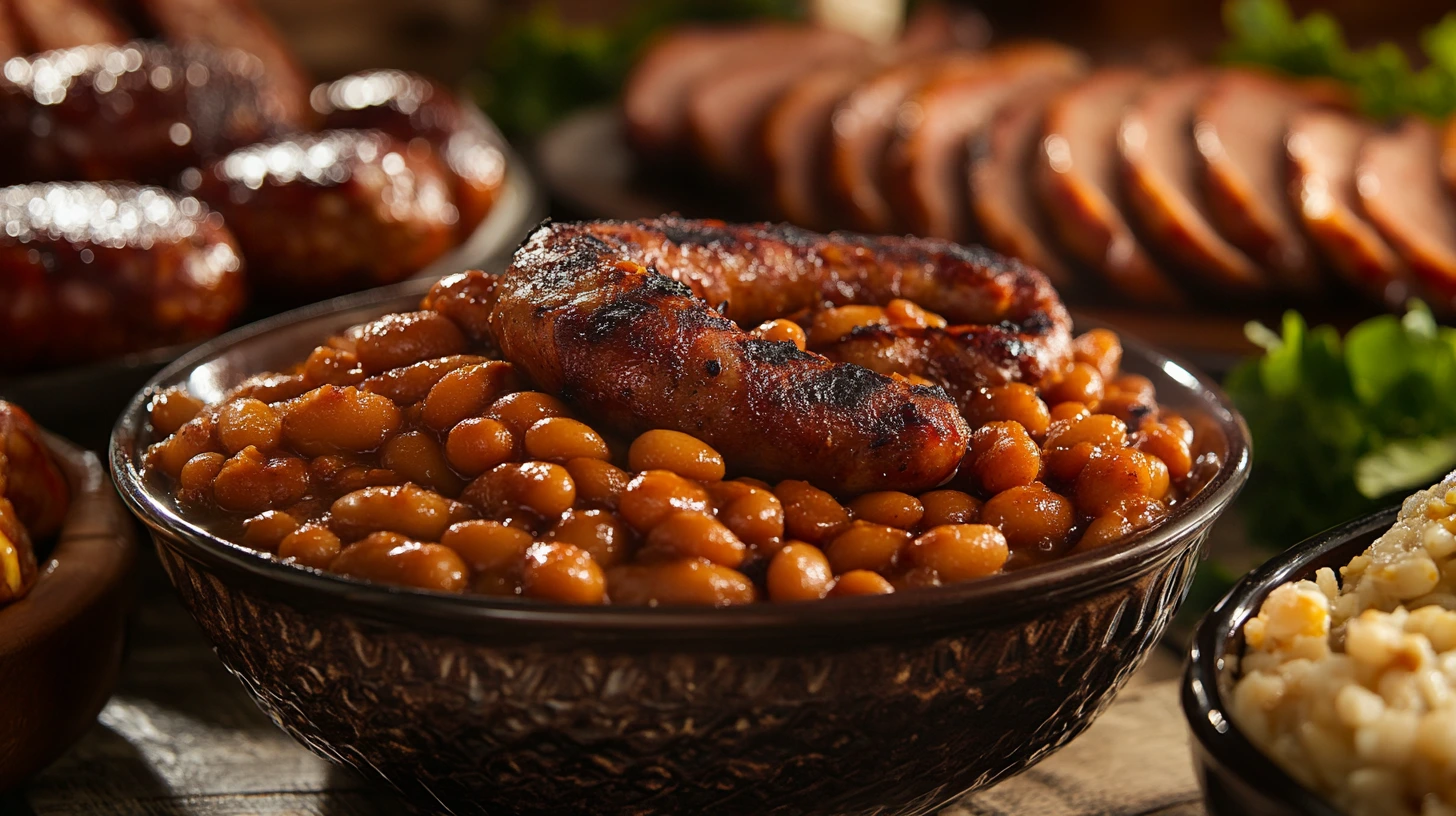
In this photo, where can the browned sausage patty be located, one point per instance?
(639, 323)
(89, 271)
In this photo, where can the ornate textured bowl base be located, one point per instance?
(483, 725)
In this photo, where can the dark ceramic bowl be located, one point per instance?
(886, 705)
(1237, 778)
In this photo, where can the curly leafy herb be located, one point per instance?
(1264, 32)
(541, 68)
(1342, 427)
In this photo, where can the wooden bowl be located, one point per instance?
(472, 704)
(61, 645)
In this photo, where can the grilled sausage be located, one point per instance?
(238, 24)
(926, 164)
(1323, 148)
(89, 271)
(1077, 179)
(1401, 192)
(1155, 141)
(617, 317)
(141, 111)
(408, 106)
(332, 212)
(1005, 211)
(47, 25)
(1239, 128)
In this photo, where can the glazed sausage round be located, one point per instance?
(140, 111)
(639, 323)
(89, 271)
(408, 107)
(326, 213)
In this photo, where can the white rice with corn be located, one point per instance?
(1350, 684)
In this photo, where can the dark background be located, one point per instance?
(450, 38)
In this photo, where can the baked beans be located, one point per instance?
(398, 452)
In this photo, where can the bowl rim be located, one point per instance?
(995, 598)
(1204, 707)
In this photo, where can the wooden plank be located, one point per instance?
(1133, 761)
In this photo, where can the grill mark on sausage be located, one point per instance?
(629, 334)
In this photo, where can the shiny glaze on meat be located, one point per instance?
(139, 111)
(90, 271)
(332, 212)
(640, 324)
(408, 106)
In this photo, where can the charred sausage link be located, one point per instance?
(640, 323)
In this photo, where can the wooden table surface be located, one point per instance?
(181, 738)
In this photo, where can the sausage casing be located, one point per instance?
(140, 111)
(640, 324)
(90, 271)
(332, 212)
(408, 107)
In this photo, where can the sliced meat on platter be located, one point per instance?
(52, 24)
(656, 96)
(1239, 129)
(1077, 179)
(1448, 155)
(1323, 148)
(726, 111)
(798, 132)
(796, 138)
(1402, 193)
(863, 127)
(1009, 217)
(926, 164)
(1155, 140)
